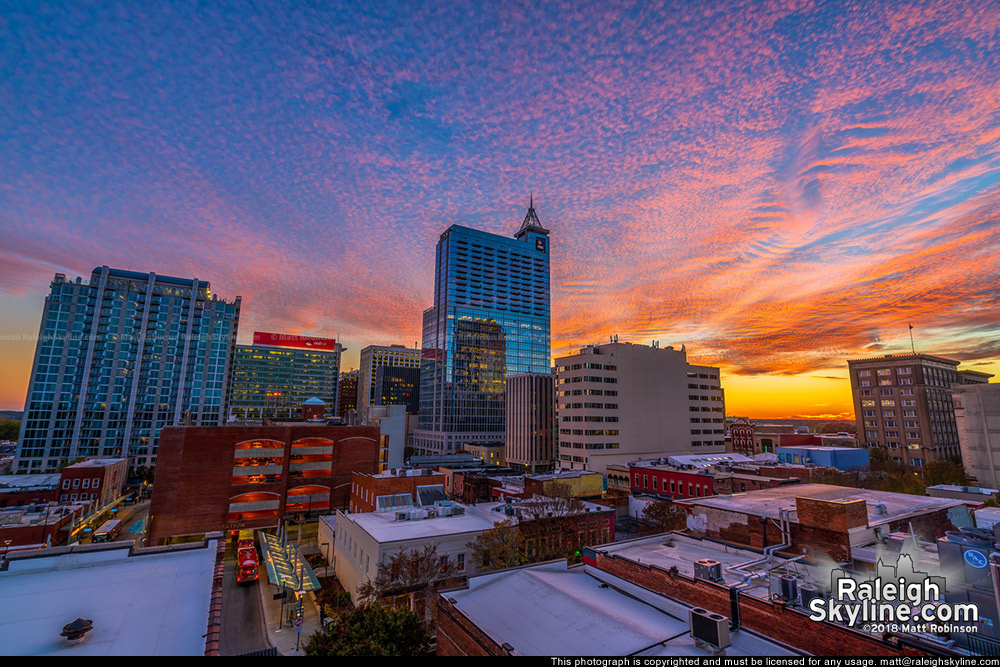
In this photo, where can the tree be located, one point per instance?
(372, 630)
(665, 516)
(499, 547)
(407, 571)
(9, 429)
(945, 472)
(838, 427)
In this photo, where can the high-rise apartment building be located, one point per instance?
(120, 357)
(530, 435)
(373, 358)
(279, 372)
(903, 405)
(618, 402)
(977, 414)
(490, 319)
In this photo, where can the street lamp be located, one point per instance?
(6, 547)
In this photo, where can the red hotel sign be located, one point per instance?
(286, 340)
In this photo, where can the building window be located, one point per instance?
(96, 483)
(76, 484)
(86, 483)
(461, 562)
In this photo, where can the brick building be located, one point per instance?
(235, 477)
(40, 524)
(98, 480)
(817, 519)
(16, 490)
(367, 488)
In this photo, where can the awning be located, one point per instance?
(285, 565)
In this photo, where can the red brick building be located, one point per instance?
(98, 481)
(741, 435)
(366, 488)
(233, 477)
(671, 483)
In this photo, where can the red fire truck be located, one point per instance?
(246, 564)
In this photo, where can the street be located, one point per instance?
(242, 617)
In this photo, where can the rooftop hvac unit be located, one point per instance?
(709, 569)
(789, 587)
(808, 593)
(457, 510)
(402, 516)
(708, 627)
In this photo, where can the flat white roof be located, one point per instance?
(151, 604)
(383, 527)
(550, 609)
(95, 463)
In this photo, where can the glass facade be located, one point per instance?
(272, 381)
(490, 319)
(120, 357)
(375, 357)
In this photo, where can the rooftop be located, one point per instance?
(95, 463)
(33, 515)
(14, 482)
(147, 602)
(768, 502)
(692, 460)
(383, 526)
(821, 448)
(584, 611)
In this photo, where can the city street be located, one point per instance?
(242, 617)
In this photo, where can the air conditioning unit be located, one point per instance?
(789, 587)
(808, 593)
(709, 627)
(402, 516)
(457, 510)
(709, 569)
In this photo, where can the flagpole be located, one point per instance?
(911, 340)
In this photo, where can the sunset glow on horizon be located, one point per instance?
(778, 186)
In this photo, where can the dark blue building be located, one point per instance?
(490, 319)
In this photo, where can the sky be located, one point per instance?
(779, 186)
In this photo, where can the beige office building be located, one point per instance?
(618, 402)
(374, 357)
(977, 413)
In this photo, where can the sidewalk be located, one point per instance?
(284, 639)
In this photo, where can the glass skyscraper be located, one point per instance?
(490, 319)
(119, 358)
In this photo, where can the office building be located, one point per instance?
(903, 405)
(395, 383)
(120, 357)
(347, 396)
(279, 372)
(618, 402)
(977, 416)
(490, 319)
(530, 435)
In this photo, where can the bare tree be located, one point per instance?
(665, 516)
(499, 547)
(407, 572)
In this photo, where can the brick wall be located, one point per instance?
(366, 488)
(194, 474)
(839, 516)
(771, 619)
(458, 636)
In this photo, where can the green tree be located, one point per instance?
(499, 547)
(372, 630)
(665, 516)
(9, 429)
(945, 472)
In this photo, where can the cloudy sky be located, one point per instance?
(778, 185)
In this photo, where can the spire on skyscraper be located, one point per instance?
(531, 222)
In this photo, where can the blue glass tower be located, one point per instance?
(490, 319)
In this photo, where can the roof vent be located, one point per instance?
(76, 631)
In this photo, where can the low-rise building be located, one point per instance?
(577, 611)
(98, 480)
(44, 524)
(377, 492)
(820, 520)
(161, 601)
(972, 495)
(18, 490)
(841, 458)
